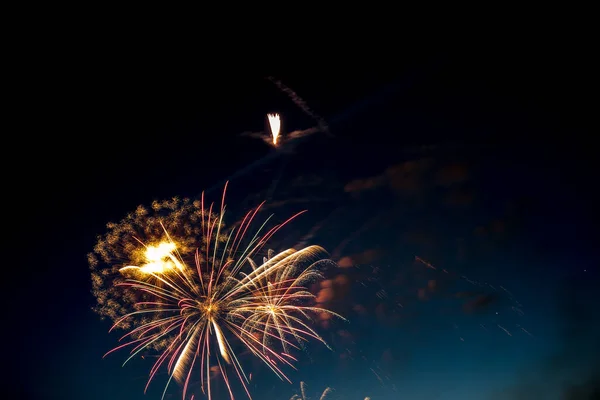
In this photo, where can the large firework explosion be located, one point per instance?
(183, 285)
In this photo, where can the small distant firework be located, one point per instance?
(323, 396)
(190, 313)
(322, 125)
(275, 125)
(275, 121)
(303, 396)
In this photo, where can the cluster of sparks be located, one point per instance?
(193, 302)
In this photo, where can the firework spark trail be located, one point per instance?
(301, 104)
(360, 105)
(516, 308)
(280, 293)
(190, 314)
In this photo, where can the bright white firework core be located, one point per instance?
(275, 124)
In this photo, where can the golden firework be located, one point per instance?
(180, 283)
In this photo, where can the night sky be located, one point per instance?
(481, 163)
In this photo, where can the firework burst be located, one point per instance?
(193, 314)
(304, 396)
(324, 396)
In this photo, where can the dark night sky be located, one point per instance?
(128, 128)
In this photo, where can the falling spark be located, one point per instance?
(428, 265)
(504, 329)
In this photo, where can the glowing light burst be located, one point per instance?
(160, 259)
(278, 309)
(191, 288)
(275, 125)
